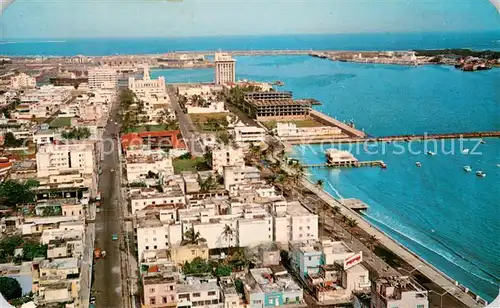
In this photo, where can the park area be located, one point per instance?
(211, 122)
(182, 164)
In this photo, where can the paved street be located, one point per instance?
(108, 272)
(186, 125)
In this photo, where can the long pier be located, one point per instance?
(405, 138)
(369, 163)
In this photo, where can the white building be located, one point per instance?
(292, 222)
(291, 130)
(140, 163)
(240, 175)
(198, 293)
(227, 156)
(155, 233)
(103, 78)
(53, 159)
(398, 292)
(143, 197)
(22, 81)
(146, 86)
(225, 68)
(249, 134)
(214, 107)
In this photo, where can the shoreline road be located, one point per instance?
(109, 272)
(187, 127)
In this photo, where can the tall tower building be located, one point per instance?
(225, 68)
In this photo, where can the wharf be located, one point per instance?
(354, 204)
(368, 163)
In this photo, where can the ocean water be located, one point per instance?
(368, 41)
(449, 217)
(444, 214)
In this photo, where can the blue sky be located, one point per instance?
(163, 18)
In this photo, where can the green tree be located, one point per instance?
(208, 184)
(33, 250)
(192, 237)
(10, 288)
(10, 141)
(320, 184)
(239, 259)
(78, 133)
(352, 224)
(7, 247)
(196, 267)
(13, 192)
(372, 241)
(223, 270)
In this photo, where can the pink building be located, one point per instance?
(159, 290)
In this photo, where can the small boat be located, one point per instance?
(480, 174)
(418, 164)
(383, 166)
(498, 165)
(465, 151)
(431, 153)
(483, 142)
(467, 168)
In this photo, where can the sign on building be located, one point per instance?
(353, 260)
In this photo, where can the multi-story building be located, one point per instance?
(240, 175)
(225, 68)
(146, 86)
(224, 156)
(271, 287)
(156, 232)
(398, 292)
(275, 106)
(159, 288)
(54, 159)
(22, 81)
(249, 134)
(140, 198)
(103, 78)
(292, 222)
(142, 164)
(198, 292)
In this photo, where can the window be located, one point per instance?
(147, 247)
(211, 293)
(164, 299)
(152, 290)
(156, 247)
(154, 239)
(196, 294)
(171, 288)
(420, 306)
(152, 301)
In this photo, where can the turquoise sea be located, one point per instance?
(449, 217)
(444, 214)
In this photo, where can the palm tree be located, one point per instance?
(192, 237)
(335, 211)
(238, 259)
(372, 241)
(320, 183)
(254, 150)
(352, 224)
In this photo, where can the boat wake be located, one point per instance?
(444, 254)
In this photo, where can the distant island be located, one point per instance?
(485, 54)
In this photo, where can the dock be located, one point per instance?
(354, 204)
(358, 164)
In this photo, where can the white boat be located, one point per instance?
(465, 151)
(480, 174)
(431, 153)
(467, 168)
(418, 164)
(483, 142)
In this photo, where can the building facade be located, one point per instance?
(225, 68)
(103, 78)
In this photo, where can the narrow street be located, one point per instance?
(109, 272)
(186, 125)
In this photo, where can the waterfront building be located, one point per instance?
(336, 157)
(103, 78)
(224, 156)
(146, 86)
(22, 81)
(292, 222)
(225, 68)
(271, 287)
(275, 106)
(398, 292)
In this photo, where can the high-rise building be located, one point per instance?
(225, 68)
(103, 78)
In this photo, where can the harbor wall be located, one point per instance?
(327, 120)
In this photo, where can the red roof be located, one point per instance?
(137, 139)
